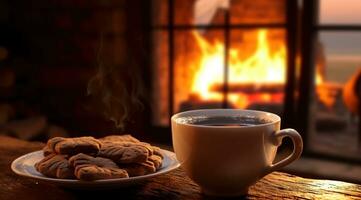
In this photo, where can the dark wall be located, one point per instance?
(53, 48)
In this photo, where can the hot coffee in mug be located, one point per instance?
(223, 120)
(227, 150)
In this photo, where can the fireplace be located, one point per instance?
(250, 54)
(195, 73)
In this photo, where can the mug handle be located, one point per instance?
(297, 148)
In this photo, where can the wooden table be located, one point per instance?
(174, 185)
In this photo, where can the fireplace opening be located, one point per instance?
(248, 82)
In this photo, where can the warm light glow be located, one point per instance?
(326, 91)
(262, 67)
(328, 189)
(319, 78)
(258, 78)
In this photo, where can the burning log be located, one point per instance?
(250, 88)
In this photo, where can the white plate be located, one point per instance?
(24, 166)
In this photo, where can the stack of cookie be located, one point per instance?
(87, 158)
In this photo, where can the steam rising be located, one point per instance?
(116, 90)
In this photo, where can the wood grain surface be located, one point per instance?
(174, 185)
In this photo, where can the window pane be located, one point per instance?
(343, 54)
(340, 12)
(257, 69)
(241, 11)
(334, 119)
(198, 65)
(186, 12)
(258, 11)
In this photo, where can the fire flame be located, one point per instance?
(263, 67)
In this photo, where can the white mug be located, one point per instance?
(226, 160)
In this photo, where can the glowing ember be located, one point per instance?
(263, 67)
